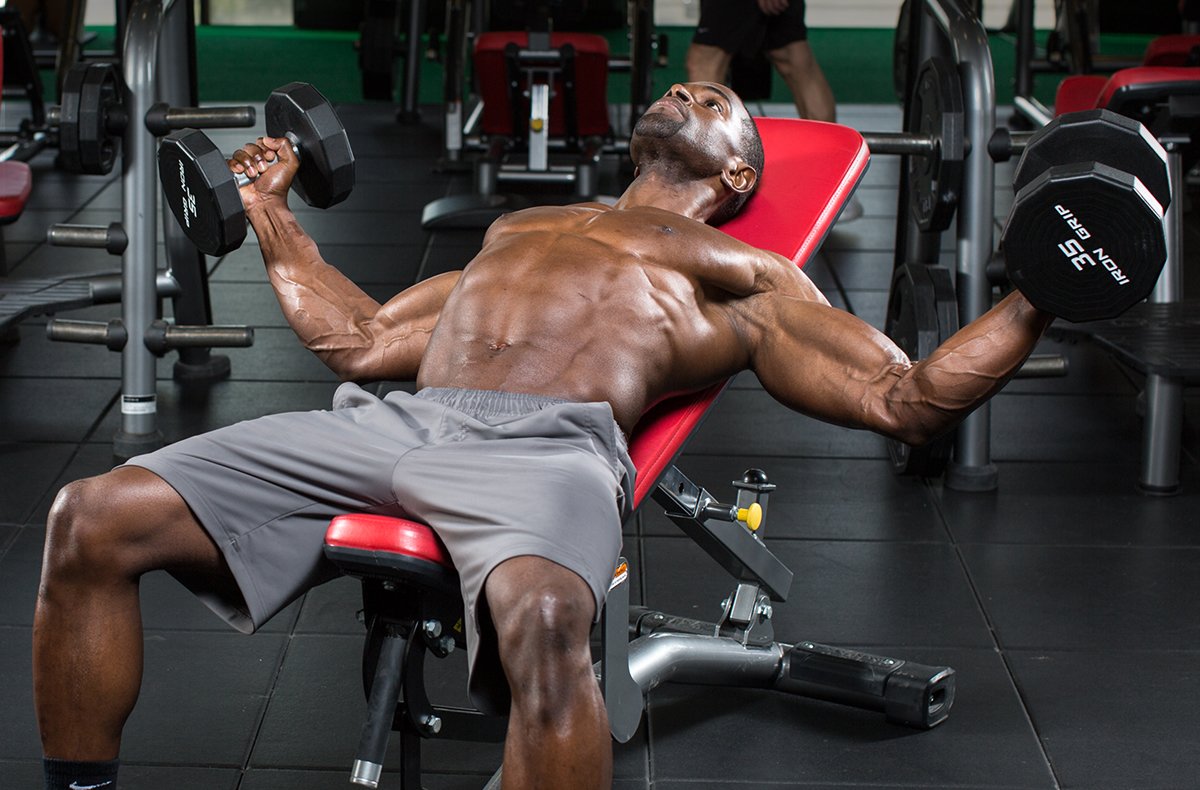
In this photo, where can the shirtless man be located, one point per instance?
(568, 325)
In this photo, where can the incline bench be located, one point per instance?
(410, 590)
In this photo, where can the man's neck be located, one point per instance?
(693, 199)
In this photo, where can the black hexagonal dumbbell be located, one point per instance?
(203, 193)
(1085, 237)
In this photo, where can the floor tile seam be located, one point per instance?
(882, 459)
(776, 538)
(994, 635)
(766, 783)
(261, 718)
(1172, 547)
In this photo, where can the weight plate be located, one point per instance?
(93, 102)
(68, 124)
(935, 110)
(900, 50)
(326, 175)
(201, 192)
(1084, 241)
(102, 98)
(922, 313)
(1097, 136)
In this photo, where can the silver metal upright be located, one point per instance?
(1163, 427)
(954, 24)
(139, 186)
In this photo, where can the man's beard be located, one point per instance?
(657, 124)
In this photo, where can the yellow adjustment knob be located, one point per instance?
(751, 516)
(537, 124)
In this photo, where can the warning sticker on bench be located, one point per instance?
(139, 404)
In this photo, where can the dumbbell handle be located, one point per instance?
(241, 179)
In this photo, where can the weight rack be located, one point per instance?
(159, 94)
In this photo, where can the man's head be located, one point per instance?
(700, 131)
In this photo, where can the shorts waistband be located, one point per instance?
(489, 403)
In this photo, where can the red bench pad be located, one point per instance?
(1172, 50)
(591, 83)
(810, 170)
(1089, 91)
(16, 182)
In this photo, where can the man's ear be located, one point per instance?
(739, 176)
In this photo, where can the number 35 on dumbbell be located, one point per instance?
(202, 191)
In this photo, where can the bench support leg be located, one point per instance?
(1161, 436)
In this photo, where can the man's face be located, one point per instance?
(700, 122)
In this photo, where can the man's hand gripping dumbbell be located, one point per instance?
(201, 186)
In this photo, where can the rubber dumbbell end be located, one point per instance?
(201, 192)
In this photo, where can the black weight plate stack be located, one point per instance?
(299, 111)
(378, 50)
(936, 110)
(922, 313)
(68, 119)
(1084, 241)
(102, 99)
(201, 192)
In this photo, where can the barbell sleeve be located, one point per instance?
(1044, 366)
(111, 237)
(106, 333)
(900, 143)
(161, 118)
(162, 337)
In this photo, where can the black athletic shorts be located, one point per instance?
(740, 28)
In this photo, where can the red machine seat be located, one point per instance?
(591, 83)
(1089, 91)
(810, 170)
(16, 182)
(1172, 50)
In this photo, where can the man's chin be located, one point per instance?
(657, 124)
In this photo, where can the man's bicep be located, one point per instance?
(401, 328)
(829, 364)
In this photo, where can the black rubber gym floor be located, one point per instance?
(1068, 604)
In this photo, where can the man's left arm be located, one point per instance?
(829, 364)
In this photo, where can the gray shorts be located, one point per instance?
(497, 475)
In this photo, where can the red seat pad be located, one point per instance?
(1172, 50)
(591, 84)
(810, 170)
(1089, 92)
(1077, 93)
(364, 532)
(16, 182)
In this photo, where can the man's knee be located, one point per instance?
(793, 60)
(111, 526)
(706, 63)
(543, 639)
(82, 535)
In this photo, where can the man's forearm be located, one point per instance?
(327, 311)
(932, 396)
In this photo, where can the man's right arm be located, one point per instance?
(350, 332)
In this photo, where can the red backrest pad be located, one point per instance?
(810, 170)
